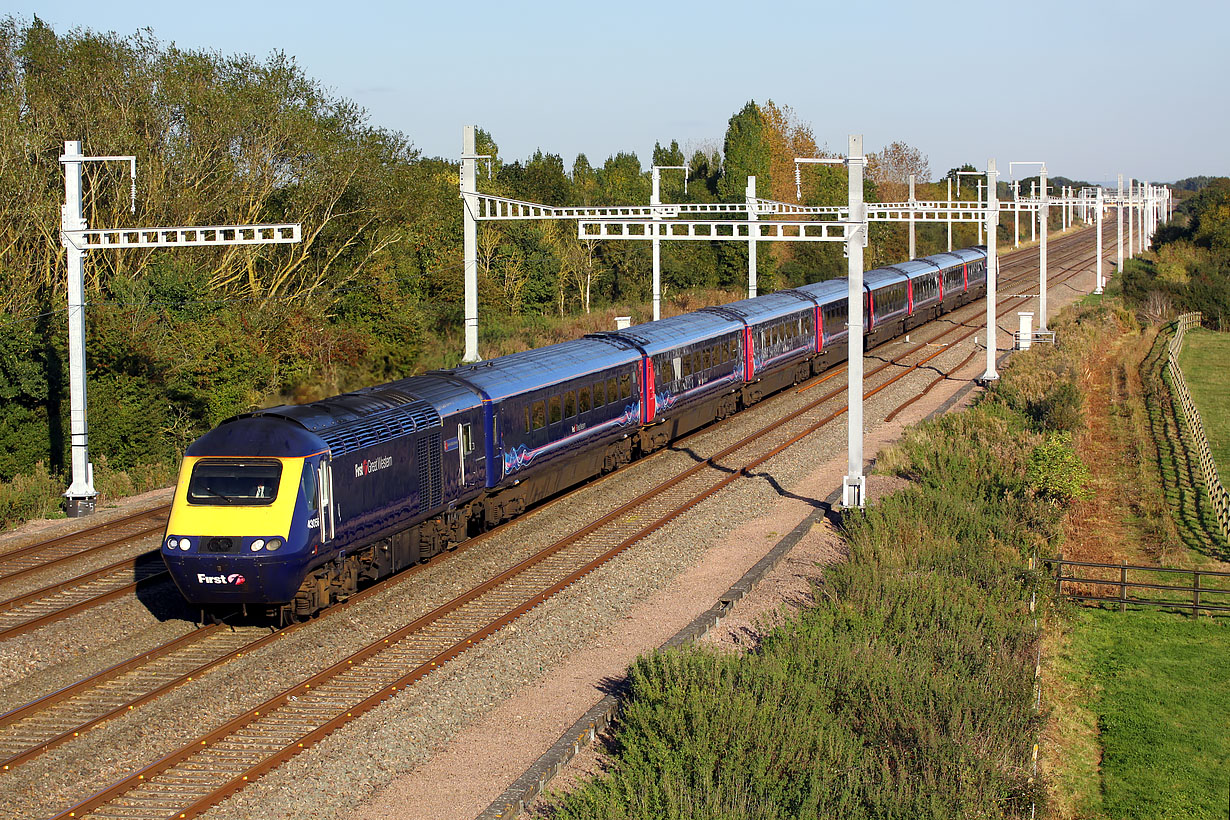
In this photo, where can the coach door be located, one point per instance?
(325, 489)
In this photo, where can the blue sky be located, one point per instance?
(1092, 88)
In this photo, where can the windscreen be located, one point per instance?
(251, 483)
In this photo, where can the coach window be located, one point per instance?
(625, 386)
(686, 359)
(570, 404)
(696, 362)
(612, 394)
(583, 404)
(599, 394)
(539, 413)
(527, 419)
(467, 439)
(555, 414)
(707, 358)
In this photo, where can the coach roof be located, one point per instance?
(545, 366)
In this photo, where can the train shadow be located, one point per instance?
(159, 595)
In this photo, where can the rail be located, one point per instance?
(1208, 591)
(1191, 417)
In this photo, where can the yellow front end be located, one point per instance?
(229, 549)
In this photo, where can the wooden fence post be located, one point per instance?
(1059, 576)
(1123, 587)
(1196, 592)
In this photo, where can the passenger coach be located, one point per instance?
(292, 508)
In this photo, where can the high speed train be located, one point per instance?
(292, 508)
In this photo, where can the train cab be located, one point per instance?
(252, 507)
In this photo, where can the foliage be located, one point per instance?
(1188, 268)
(906, 691)
(37, 494)
(891, 167)
(1195, 183)
(180, 339)
(1055, 472)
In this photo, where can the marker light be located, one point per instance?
(273, 544)
(172, 543)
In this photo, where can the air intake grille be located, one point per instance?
(390, 424)
(431, 478)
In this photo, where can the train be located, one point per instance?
(291, 509)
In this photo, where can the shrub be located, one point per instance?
(907, 691)
(1055, 472)
(37, 494)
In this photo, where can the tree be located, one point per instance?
(890, 169)
(787, 139)
(746, 153)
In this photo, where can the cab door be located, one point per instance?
(324, 488)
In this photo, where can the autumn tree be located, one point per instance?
(890, 169)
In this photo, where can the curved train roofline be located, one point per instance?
(374, 480)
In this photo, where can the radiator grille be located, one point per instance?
(431, 476)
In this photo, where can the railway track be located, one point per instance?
(57, 718)
(32, 609)
(199, 774)
(23, 608)
(20, 562)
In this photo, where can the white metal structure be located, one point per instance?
(78, 240)
(1043, 215)
(980, 177)
(1098, 217)
(992, 218)
(478, 207)
(655, 199)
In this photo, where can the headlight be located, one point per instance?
(273, 544)
(257, 544)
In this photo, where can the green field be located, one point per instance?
(1159, 686)
(1205, 360)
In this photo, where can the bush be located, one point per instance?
(37, 494)
(1055, 472)
(907, 691)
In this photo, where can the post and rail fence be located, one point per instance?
(1207, 591)
(1191, 417)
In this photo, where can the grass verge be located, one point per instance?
(1204, 361)
(1156, 686)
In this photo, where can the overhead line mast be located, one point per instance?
(78, 240)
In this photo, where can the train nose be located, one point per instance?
(233, 577)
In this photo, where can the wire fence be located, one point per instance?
(1191, 417)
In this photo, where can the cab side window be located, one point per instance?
(308, 487)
